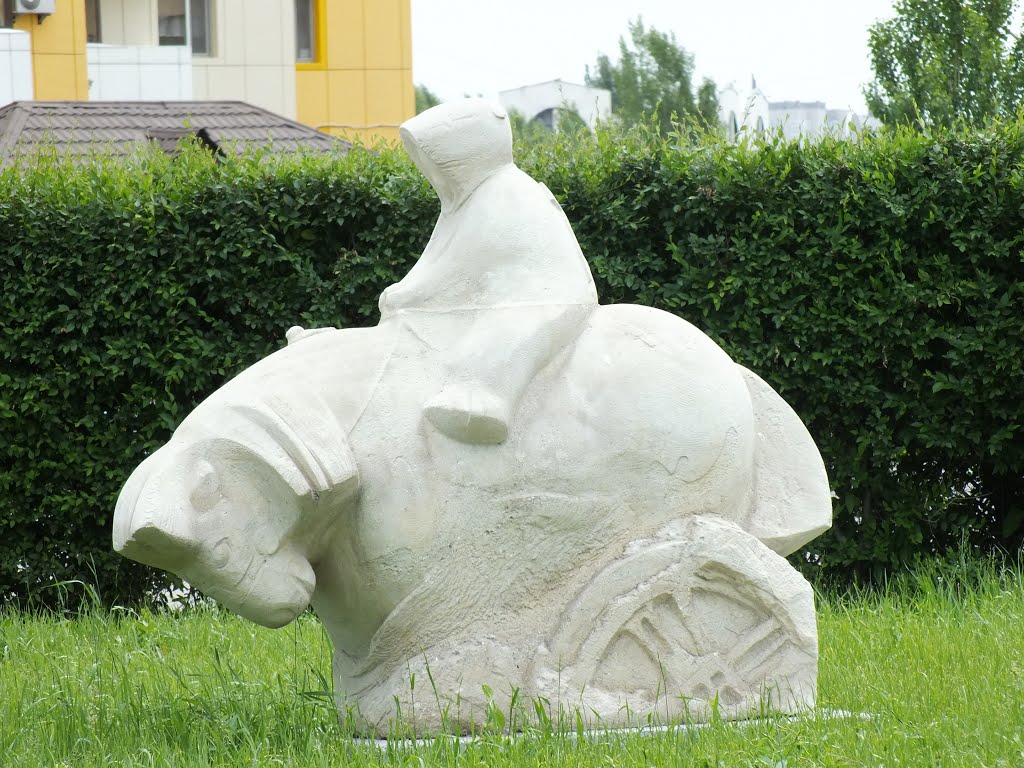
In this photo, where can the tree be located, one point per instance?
(945, 61)
(653, 77)
(569, 120)
(707, 103)
(543, 128)
(425, 99)
(526, 130)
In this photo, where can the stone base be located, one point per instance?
(599, 734)
(701, 622)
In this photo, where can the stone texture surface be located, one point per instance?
(513, 489)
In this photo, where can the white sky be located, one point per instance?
(808, 50)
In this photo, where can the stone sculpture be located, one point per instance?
(503, 483)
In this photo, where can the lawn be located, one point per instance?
(934, 660)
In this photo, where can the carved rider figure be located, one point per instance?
(503, 255)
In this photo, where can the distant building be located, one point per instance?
(742, 111)
(749, 110)
(344, 66)
(543, 102)
(812, 118)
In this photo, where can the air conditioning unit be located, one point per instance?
(34, 6)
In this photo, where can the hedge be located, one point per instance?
(876, 284)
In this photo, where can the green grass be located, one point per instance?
(937, 659)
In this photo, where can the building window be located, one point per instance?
(305, 30)
(201, 22)
(172, 23)
(732, 127)
(92, 21)
(182, 23)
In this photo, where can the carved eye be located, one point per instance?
(220, 554)
(205, 487)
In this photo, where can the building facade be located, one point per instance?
(800, 119)
(748, 110)
(742, 110)
(544, 101)
(343, 66)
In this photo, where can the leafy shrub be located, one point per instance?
(131, 292)
(875, 284)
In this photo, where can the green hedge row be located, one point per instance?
(875, 284)
(131, 292)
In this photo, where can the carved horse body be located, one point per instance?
(623, 545)
(502, 484)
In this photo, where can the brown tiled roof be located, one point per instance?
(121, 127)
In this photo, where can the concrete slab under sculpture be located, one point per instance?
(503, 483)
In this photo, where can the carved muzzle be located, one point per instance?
(224, 520)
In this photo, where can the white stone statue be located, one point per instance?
(503, 484)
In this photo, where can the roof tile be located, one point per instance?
(121, 126)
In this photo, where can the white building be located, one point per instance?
(742, 111)
(15, 66)
(812, 119)
(543, 101)
(749, 110)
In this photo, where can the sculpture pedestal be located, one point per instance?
(701, 621)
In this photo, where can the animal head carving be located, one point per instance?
(243, 514)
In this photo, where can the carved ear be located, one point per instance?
(304, 443)
(297, 333)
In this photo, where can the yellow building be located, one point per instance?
(343, 66)
(57, 45)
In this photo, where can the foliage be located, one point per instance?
(564, 120)
(872, 283)
(525, 130)
(944, 61)
(876, 285)
(130, 292)
(707, 103)
(937, 669)
(569, 120)
(653, 80)
(425, 99)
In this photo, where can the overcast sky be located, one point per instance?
(808, 50)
